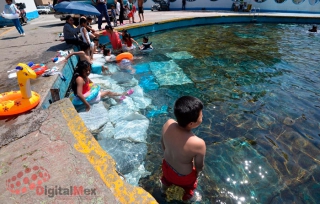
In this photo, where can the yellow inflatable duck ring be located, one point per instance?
(16, 102)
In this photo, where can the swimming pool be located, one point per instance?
(259, 85)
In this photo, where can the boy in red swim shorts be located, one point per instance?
(184, 152)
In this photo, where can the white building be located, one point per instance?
(31, 10)
(283, 6)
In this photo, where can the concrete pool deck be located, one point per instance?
(57, 160)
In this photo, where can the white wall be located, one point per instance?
(31, 11)
(307, 6)
(31, 6)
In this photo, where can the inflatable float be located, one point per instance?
(16, 102)
(94, 91)
(125, 55)
(10, 16)
(96, 68)
(147, 47)
(39, 69)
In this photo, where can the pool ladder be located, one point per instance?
(255, 13)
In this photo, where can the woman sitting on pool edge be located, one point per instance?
(80, 86)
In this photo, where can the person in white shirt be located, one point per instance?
(118, 8)
(11, 8)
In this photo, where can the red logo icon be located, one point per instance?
(26, 180)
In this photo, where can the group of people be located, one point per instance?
(85, 34)
(184, 152)
(89, 45)
(126, 44)
(118, 9)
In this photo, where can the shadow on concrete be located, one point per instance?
(8, 118)
(9, 38)
(15, 116)
(62, 46)
(53, 25)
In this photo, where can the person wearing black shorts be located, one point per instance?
(140, 5)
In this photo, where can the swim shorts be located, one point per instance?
(140, 9)
(130, 14)
(187, 182)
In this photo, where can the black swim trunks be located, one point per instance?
(140, 9)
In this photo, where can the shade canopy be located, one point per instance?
(76, 7)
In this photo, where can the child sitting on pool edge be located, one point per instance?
(84, 57)
(80, 86)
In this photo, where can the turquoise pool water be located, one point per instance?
(260, 87)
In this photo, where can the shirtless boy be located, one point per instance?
(184, 152)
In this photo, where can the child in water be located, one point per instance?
(314, 29)
(128, 40)
(108, 56)
(146, 45)
(184, 152)
(80, 86)
(125, 65)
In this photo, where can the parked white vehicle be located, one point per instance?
(43, 9)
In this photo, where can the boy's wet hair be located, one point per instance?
(146, 38)
(106, 51)
(83, 20)
(187, 109)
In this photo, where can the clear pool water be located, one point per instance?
(260, 87)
